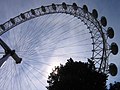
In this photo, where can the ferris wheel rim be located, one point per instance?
(85, 17)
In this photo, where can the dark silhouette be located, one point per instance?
(115, 86)
(76, 76)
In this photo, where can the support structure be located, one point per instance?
(8, 53)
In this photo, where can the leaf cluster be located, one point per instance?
(76, 76)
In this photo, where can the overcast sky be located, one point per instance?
(108, 8)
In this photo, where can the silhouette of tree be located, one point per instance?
(115, 86)
(76, 76)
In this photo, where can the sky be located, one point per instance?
(108, 8)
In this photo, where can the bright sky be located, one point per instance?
(108, 8)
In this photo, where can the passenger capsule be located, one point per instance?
(85, 8)
(54, 6)
(2, 27)
(43, 8)
(110, 32)
(113, 69)
(95, 13)
(22, 16)
(64, 5)
(103, 21)
(75, 7)
(114, 48)
(32, 11)
(12, 21)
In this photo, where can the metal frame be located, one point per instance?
(100, 47)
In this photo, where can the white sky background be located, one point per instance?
(108, 8)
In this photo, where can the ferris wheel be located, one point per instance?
(33, 39)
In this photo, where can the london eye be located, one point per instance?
(34, 41)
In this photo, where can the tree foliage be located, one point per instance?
(76, 76)
(115, 86)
